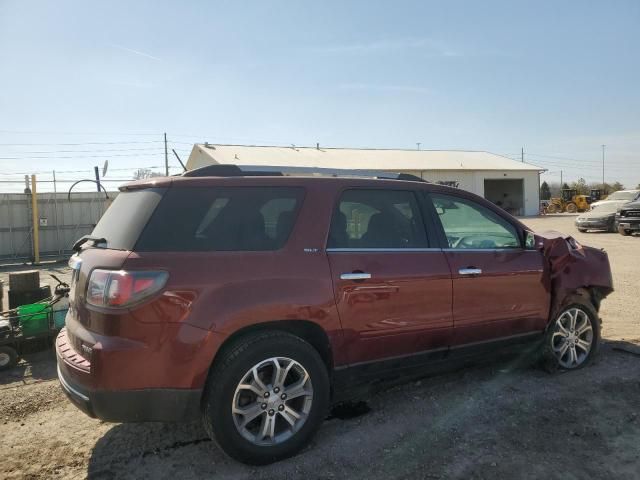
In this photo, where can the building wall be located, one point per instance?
(473, 181)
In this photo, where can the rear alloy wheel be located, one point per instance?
(272, 401)
(266, 396)
(573, 339)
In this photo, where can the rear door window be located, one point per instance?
(374, 219)
(222, 219)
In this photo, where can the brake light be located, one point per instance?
(108, 288)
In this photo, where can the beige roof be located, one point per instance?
(352, 158)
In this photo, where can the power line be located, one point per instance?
(31, 132)
(49, 172)
(155, 149)
(82, 156)
(79, 143)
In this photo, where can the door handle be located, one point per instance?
(355, 276)
(470, 271)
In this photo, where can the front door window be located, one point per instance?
(470, 225)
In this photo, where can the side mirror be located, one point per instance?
(529, 240)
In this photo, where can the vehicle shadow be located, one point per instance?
(456, 401)
(33, 368)
(185, 449)
(127, 449)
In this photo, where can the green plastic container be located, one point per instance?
(34, 319)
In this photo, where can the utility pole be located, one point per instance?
(166, 156)
(603, 167)
(522, 154)
(561, 180)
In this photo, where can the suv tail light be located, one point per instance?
(109, 288)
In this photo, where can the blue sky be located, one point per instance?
(103, 80)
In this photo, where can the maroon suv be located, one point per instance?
(256, 301)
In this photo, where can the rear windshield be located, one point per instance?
(123, 221)
(200, 219)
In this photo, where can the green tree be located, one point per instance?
(565, 186)
(143, 173)
(581, 186)
(545, 191)
(616, 186)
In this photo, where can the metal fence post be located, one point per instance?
(36, 221)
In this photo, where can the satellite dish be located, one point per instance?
(105, 167)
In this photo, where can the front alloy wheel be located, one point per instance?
(272, 401)
(572, 338)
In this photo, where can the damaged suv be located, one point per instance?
(253, 299)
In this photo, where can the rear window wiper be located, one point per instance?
(87, 238)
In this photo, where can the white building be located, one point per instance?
(511, 184)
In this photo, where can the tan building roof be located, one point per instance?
(352, 158)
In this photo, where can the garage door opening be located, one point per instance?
(508, 194)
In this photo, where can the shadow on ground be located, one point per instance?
(489, 421)
(33, 367)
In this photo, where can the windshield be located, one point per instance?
(630, 195)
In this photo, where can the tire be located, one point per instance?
(8, 357)
(552, 208)
(582, 230)
(236, 365)
(555, 339)
(572, 208)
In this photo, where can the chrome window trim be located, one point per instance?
(381, 250)
(514, 249)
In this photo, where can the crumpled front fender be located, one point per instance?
(570, 267)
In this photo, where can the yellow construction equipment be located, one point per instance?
(569, 202)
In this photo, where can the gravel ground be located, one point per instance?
(500, 420)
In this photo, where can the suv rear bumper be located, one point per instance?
(86, 389)
(146, 405)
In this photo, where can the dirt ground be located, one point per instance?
(501, 420)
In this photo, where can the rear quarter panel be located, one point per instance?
(227, 291)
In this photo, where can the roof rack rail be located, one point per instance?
(230, 170)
